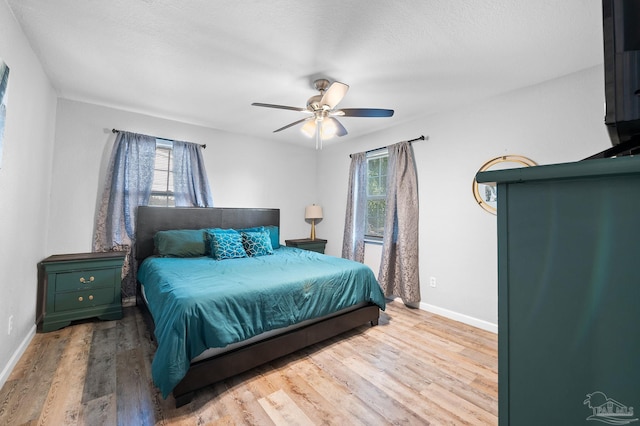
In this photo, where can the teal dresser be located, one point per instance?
(317, 245)
(569, 293)
(78, 286)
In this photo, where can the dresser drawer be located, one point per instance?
(83, 299)
(87, 279)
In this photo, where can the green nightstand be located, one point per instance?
(78, 286)
(316, 245)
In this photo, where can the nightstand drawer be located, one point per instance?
(83, 299)
(81, 280)
(316, 245)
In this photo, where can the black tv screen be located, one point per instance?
(621, 32)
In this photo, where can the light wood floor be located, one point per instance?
(414, 368)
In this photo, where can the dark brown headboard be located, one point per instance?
(153, 219)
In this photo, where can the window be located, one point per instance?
(162, 189)
(376, 194)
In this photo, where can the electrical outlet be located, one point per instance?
(432, 281)
(10, 326)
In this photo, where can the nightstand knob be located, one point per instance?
(84, 280)
(90, 297)
(80, 299)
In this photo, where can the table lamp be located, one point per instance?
(313, 212)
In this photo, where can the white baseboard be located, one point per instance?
(456, 316)
(6, 371)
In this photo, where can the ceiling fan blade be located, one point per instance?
(339, 128)
(334, 94)
(364, 112)
(278, 106)
(293, 124)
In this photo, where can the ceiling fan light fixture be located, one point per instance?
(329, 129)
(309, 128)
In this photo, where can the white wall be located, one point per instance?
(242, 171)
(24, 188)
(556, 121)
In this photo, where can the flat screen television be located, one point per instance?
(621, 33)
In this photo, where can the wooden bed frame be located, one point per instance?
(208, 371)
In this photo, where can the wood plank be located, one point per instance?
(463, 411)
(66, 388)
(251, 412)
(101, 376)
(310, 401)
(426, 358)
(283, 411)
(482, 340)
(375, 397)
(475, 365)
(134, 403)
(127, 336)
(99, 411)
(338, 395)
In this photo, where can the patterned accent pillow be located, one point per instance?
(274, 233)
(257, 243)
(226, 244)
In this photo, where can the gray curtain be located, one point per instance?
(354, 224)
(4, 80)
(127, 186)
(191, 186)
(398, 275)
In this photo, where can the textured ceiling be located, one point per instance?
(204, 61)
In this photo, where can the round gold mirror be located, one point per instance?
(485, 194)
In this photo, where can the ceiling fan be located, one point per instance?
(322, 122)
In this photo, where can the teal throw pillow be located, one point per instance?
(179, 243)
(226, 244)
(257, 243)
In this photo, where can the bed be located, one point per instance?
(213, 319)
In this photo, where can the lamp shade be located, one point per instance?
(313, 212)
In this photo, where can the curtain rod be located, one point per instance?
(419, 138)
(203, 146)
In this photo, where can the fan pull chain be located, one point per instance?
(318, 135)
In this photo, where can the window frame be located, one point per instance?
(371, 156)
(168, 193)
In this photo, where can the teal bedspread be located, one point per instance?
(200, 303)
